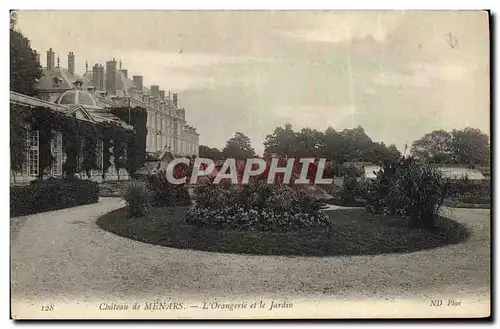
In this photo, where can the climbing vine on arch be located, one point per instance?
(73, 130)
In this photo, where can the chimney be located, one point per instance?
(95, 76)
(71, 63)
(98, 76)
(138, 79)
(50, 59)
(174, 96)
(161, 94)
(125, 73)
(111, 75)
(155, 91)
(102, 77)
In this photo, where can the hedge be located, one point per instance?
(52, 194)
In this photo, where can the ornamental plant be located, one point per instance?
(412, 189)
(166, 194)
(256, 206)
(138, 199)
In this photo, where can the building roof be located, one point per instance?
(35, 102)
(81, 112)
(460, 173)
(370, 171)
(60, 79)
(78, 97)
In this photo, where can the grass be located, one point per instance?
(354, 233)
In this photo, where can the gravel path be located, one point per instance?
(63, 255)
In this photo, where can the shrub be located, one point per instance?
(352, 171)
(256, 206)
(52, 194)
(461, 187)
(349, 190)
(138, 198)
(417, 192)
(408, 188)
(374, 203)
(352, 192)
(377, 190)
(166, 194)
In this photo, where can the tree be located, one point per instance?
(310, 143)
(393, 152)
(283, 141)
(381, 153)
(470, 146)
(239, 147)
(435, 146)
(209, 152)
(355, 145)
(332, 145)
(347, 145)
(25, 70)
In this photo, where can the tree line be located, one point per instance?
(346, 145)
(468, 146)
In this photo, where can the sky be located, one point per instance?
(398, 74)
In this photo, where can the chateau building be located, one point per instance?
(91, 96)
(111, 86)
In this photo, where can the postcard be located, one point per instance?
(250, 164)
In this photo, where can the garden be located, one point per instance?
(79, 144)
(401, 213)
(357, 191)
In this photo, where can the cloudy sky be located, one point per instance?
(394, 73)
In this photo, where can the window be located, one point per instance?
(33, 155)
(56, 149)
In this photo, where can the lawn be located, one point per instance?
(354, 232)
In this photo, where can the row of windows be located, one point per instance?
(159, 123)
(33, 155)
(158, 142)
(154, 142)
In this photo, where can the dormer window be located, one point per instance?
(56, 81)
(78, 84)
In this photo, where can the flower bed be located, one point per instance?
(353, 232)
(52, 194)
(257, 206)
(166, 194)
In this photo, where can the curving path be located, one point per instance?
(64, 255)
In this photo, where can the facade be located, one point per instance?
(90, 96)
(168, 129)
